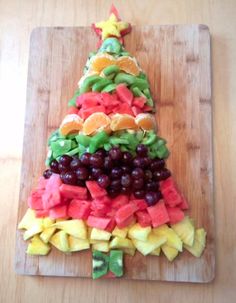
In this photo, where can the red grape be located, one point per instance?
(116, 173)
(137, 173)
(127, 158)
(85, 159)
(107, 163)
(82, 173)
(138, 183)
(96, 172)
(103, 181)
(139, 194)
(152, 197)
(54, 166)
(47, 173)
(141, 150)
(75, 164)
(63, 168)
(115, 153)
(69, 178)
(157, 164)
(139, 162)
(126, 180)
(96, 161)
(65, 160)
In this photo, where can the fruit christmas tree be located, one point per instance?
(107, 187)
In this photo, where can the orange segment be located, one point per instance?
(96, 122)
(128, 65)
(71, 124)
(122, 121)
(145, 121)
(101, 62)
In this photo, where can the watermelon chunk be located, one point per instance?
(100, 223)
(73, 192)
(170, 193)
(139, 102)
(85, 113)
(51, 196)
(42, 183)
(143, 218)
(58, 212)
(79, 209)
(147, 108)
(139, 203)
(136, 110)
(175, 214)
(41, 213)
(125, 212)
(95, 190)
(158, 214)
(184, 204)
(126, 222)
(87, 97)
(111, 225)
(124, 94)
(123, 108)
(72, 110)
(35, 199)
(119, 201)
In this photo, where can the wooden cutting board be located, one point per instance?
(177, 62)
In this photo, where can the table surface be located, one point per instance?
(17, 19)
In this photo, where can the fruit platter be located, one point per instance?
(107, 193)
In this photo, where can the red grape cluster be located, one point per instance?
(116, 171)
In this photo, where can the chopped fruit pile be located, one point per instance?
(106, 185)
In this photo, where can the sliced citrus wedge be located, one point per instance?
(128, 65)
(122, 121)
(145, 121)
(72, 123)
(96, 122)
(101, 61)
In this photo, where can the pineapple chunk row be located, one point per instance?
(74, 235)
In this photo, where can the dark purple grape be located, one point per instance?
(85, 159)
(107, 163)
(152, 186)
(101, 152)
(115, 153)
(165, 173)
(137, 173)
(91, 178)
(139, 194)
(138, 183)
(96, 161)
(126, 169)
(147, 175)
(116, 173)
(80, 183)
(103, 181)
(152, 197)
(141, 150)
(96, 172)
(75, 164)
(47, 173)
(116, 184)
(112, 192)
(63, 168)
(65, 160)
(126, 180)
(125, 190)
(54, 166)
(69, 177)
(139, 162)
(147, 161)
(127, 158)
(82, 173)
(157, 164)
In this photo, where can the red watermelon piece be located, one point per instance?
(79, 209)
(73, 192)
(123, 108)
(87, 97)
(184, 204)
(170, 193)
(72, 110)
(139, 203)
(175, 214)
(41, 213)
(35, 199)
(147, 108)
(52, 196)
(95, 190)
(126, 222)
(42, 182)
(124, 94)
(111, 225)
(139, 102)
(143, 218)
(136, 110)
(119, 201)
(158, 214)
(100, 223)
(58, 212)
(125, 212)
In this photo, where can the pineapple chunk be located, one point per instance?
(47, 222)
(120, 232)
(34, 230)
(76, 244)
(121, 243)
(99, 234)
(47, 233)
(129, 251)
(60, 241)
(29, 220)
(37, 247)
(170, 252)
(198, 244)
(139, 233)
(75, 228)
(101, 246)
(156, 252)
(173, 240)
(185, 230)
(151, 244)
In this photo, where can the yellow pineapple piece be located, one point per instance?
(156, 252)
(138, 232)
(76, 244)
(120, 232)
(99, 234)
(38, 247)
(60, 241)
(199, 243)
(170, 252)
(34, 230)
(29, 220)
(101, 246)
(47, 233)
(47, 222)
(173, 240)
(121, 243)
(185, 230)
(129, 251)
(150, 245)
(75, 228)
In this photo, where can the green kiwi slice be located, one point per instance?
(116, 262)
(100, 264)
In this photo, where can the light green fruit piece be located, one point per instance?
(111, 45)
(111, 70)
(38, 247)
(109, 88)
(98, 86)
(124, 78)
(76, 244)
(170, 252)
(116, 262)
(199, 243)
(173, 240)
(60, 241)
(138, 232)
(74, 228)
(185, 230)
(100, 264)
(88, 83)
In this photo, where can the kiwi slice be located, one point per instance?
(116, 262)
(100, 264)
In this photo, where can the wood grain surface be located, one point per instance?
(17, 19)
(177, 62)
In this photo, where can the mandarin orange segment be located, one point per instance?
(128, 65)
(122, 121)
(101, 62)
(96, 122)
(145, 121)
(72, 123)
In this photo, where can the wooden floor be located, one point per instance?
(17, 19)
